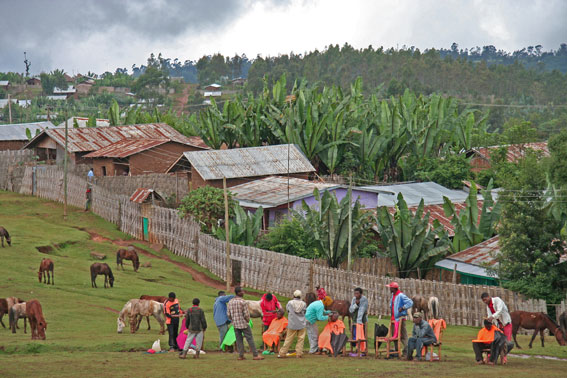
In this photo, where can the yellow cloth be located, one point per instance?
(273, 333)
(337, 328)
(486, 336)
(327, 301)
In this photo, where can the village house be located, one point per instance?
(275, 194)
(83, 121)
(50, 144)
(34, 82)
(4, 84)
(241, 165)
(212, 88)
(14, 136)
(480, 157)
(471, 264)
(83, 88)
(68, 92)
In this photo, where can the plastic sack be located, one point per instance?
(156, 346)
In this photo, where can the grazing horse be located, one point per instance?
(157, 298)
(102, 268)
(538, 321)
(5, 306)
(136, 309)
(17, 311)
(254, 309)
(38, 324)
(342, 308)
(563, 322)
(46, 269)
(5, 235)
(428, 307)
(127, 254)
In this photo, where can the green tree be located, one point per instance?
(449, 171)
(290, 237)
(327, 223)
(244, 227)
(409, 240)
(206, 205)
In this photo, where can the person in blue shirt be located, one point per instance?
(219, 314)
(315, 311)
(400, 304)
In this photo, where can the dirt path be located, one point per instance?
(197, 276)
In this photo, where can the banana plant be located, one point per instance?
(114, 114)
(328, 222)
(244, 227)
(468, 227)
(409, 239)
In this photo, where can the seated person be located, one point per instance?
(328, 340)
(275, 331)
(422, 335)
(490, 337)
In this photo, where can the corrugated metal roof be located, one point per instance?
(94, 138)
(514, 152)
(3, 83)
(126, 147)
(17, 131)
(272, 191)
(140, 195)
(431, 192)
(249, 162)
(436, 212)
(82, 122)
(473, 260)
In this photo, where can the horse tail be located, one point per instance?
(118, 257)
(11, 318)
(434, 307)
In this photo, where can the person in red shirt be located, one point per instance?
(321, 293)
(270, 305)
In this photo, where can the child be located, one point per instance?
(196, 326)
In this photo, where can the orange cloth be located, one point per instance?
(273, 333)
(360, 335)
(337, 328)
(171, 309)
(437, 325)
(486, 336)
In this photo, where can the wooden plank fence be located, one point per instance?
(267, 270)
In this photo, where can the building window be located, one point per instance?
(104, 171)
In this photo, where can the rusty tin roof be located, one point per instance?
(142, 194)
(127, 147)
(89, 139)
(514, 152)
(272, 191)
(249, 162)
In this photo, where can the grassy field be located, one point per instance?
(81, 333)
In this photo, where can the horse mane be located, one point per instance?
(551, 320)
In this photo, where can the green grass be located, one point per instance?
(81, 333)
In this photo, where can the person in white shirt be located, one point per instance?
(498, 314)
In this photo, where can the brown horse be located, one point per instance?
(102, 268)
(157, 298)
(5, 306)
(46, 269)
(16, 312)
(38, 324)
(342, 308)
(5, 235)
(428, 307)
(538, 321)
(563, 322)
(127, 254)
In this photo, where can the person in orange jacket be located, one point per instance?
(172, 314)
(490, 337)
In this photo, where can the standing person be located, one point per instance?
(315, 311)
(196, 325)
(90, 176)
(400, 303)
(238, 314)
(321, 293)
(422, 335)
(219, 314)
(89, 196)
(498, 314)
(172, 315)
(296, 325)
(270, 305)
(359, 312)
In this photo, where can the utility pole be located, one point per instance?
(9, 109)
(349, 261)
(65, 167)
(226, 233)
(48, 115)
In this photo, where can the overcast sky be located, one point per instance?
(101, 35)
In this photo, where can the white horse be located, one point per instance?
(17, 311)
(136, 309)
(255, 309)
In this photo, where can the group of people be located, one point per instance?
(232, 318)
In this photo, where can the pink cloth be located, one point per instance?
(507, 329)
(182, 337)
(396, 328)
